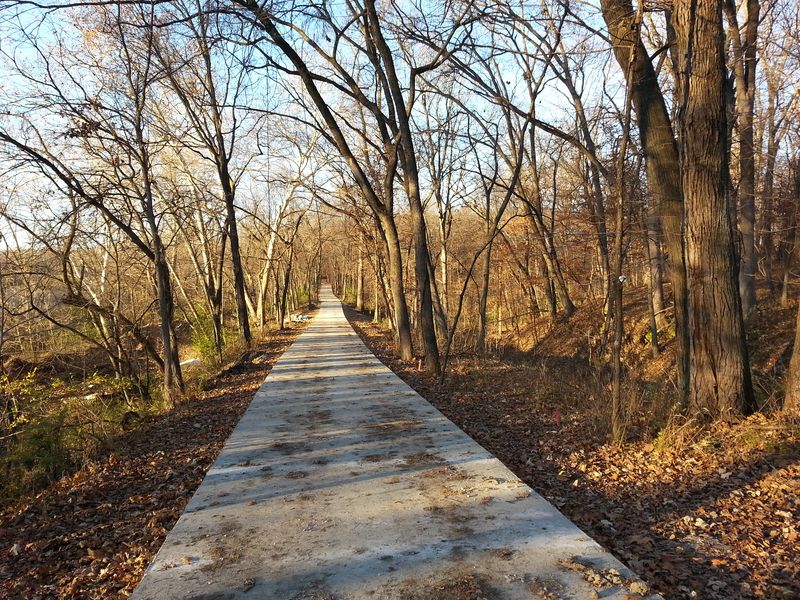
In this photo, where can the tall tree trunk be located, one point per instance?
(376, 307)
(214, 139)
(767, 194)
(483, 297)
(287, 278)
(745, 71)
(236, 256)
(443, 267)
(662, 161)
(264, 276)
(411, 181)
(547, 290)
(654, 282)
(403, 341)
(654, 265)
(617, 410)
(438, 307)
(360, 276)
(427, 323)
(173, 377)
(789, 241)
(720, 385)
(654, 279)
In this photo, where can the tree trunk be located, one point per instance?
(662, 161)
(173, 377)
(411, 181)
(548, 292)
(791, 401)
(376, 308)
(745, 71)
(438, 307)
(789, 242)
(403, 342)
(654, 281)
(427, 324)
(360, 276)
(263, 280)
(236, 256)
(443, 267)
(287, 278)
(767, 195)
(720, 385)
(483, 298)
(655, 264)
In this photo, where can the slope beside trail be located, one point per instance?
(341, 482)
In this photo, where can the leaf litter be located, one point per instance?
(92, 534)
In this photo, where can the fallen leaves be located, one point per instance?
(92, 534)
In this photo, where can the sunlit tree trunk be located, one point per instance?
(662, 162)
(360, 276)
(720, 385)
(789, 241)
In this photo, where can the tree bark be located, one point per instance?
(656, 295)
(483, 296)
(411, 181)
(745, 71)
(236, 256)
(720, 385)
(662, 161)
(402, 324)
(789, 241)
(360, 276)
(791, 401)
(768, 191)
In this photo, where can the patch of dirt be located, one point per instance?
(91, 535)
(289, 448)
(546, 589)
(421, 459)
(447, 473)
(502, 553)
(464, 587)
(392, 428)
(314, 596)
(376, 458)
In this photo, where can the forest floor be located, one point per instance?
(92, 534)
(697, 513)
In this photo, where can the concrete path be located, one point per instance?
(341, 483)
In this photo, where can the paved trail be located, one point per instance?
(341, 483)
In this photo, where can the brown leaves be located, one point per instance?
(92, 534)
